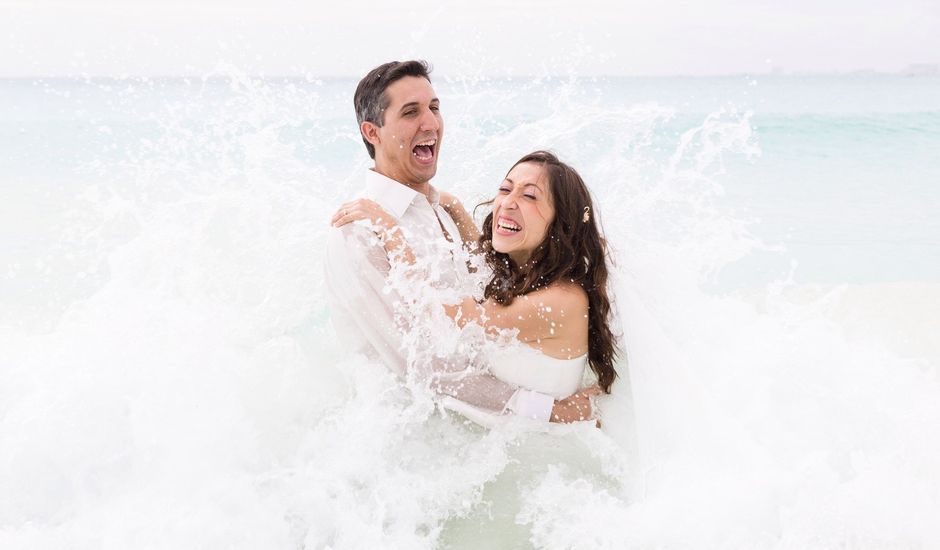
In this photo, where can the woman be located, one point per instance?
(549, 276)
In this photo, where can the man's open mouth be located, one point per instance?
(424, 150)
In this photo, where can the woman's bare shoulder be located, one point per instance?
(563, 295)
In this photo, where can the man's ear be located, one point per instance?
(370, 132)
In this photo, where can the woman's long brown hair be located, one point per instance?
(573, 251)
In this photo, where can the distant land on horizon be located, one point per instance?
(911, 70)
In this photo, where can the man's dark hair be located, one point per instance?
(371, 100)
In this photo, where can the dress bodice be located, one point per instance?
(529, 368)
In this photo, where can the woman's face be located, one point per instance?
(522, 212)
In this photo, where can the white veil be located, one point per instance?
(654, 408)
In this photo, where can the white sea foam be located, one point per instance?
(190, 393)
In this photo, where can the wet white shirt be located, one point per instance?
(363, 307)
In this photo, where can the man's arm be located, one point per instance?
(353, 273)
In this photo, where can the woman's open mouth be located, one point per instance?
(505, 226)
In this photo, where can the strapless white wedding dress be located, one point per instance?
(529, 368)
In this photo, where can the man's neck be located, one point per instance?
(423, 188)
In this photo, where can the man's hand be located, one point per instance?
(577, 407)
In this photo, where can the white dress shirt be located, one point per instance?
(366, 311)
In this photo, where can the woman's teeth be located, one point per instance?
(508, 225)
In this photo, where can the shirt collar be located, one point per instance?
(392, 196)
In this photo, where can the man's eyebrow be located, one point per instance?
(417, 103)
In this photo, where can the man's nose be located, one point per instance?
(430, 122)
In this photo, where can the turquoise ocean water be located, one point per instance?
(845, 177)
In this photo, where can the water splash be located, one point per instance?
(193, 393)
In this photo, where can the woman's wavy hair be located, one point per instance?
(573, 250)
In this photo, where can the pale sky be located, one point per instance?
(483, 37)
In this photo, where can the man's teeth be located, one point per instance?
(425, 153)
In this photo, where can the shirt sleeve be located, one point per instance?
(356, 269)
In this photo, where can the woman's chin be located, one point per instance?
(501, 246)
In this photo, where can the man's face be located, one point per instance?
(407, 145)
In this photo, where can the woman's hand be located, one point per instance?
(577, 407)
(386, 227)
(363, 209)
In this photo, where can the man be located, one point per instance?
(401, 125)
